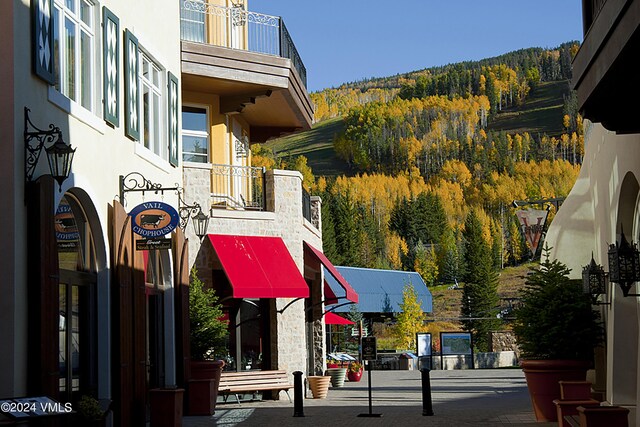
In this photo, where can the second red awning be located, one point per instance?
(350, 294)
(333, 319)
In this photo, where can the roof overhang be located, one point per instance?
(266, 90)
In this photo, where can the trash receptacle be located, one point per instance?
(408, 361)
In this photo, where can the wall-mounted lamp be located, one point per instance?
(594, 281)
(624, 265)
(59, 154)
(624, 269)
(200, 220)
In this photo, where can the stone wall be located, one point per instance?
(504, 341)
(282, 218)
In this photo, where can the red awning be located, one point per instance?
(329, 295)
(259, 267)
(333, 319)
(350, 295)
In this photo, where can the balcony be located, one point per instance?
(604, 68)
(237, 187)
(252, 201)
(250, 61)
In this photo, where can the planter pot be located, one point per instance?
(337, 376)
(166, 407)
(319, 386)
(203, 386)
(575, 390)
(354, 377)
(543, 378)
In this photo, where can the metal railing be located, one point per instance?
(237, 187)
(306, 205)
(237, 28)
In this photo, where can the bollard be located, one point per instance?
(427, 407)
(298, 410)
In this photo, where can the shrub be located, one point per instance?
(555, 319)
(208, 330)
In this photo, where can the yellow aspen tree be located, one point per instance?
(410, 320)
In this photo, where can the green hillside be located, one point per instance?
(316, 145)
(540, 114)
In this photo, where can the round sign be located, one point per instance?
(154, 219)
(65, 224)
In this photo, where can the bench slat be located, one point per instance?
(231, 382)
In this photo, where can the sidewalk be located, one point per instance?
(488, 397)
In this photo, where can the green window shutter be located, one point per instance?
(110, 65)
(42, 42)
(173, 119)
(131, 87)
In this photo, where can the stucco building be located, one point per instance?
(605, 200)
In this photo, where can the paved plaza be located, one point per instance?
(488, 397)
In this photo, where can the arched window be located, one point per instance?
(77, 297)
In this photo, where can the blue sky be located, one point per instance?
(347, 40)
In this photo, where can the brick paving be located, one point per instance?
(488, 397)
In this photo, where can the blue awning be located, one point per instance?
(380, 290)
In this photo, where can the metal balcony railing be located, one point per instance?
(237, 187)
(237, 28)
(306, 205)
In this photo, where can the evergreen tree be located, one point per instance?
(480, 296)
(347, 238)
(328, 230)
(448, 257)
(476, 250)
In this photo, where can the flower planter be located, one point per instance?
(166, 407)
(354, 377)
(203, 386)
(575, 390)
(543, 377)
(337, 376)
(319, 386)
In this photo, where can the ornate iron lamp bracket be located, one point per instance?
(136, 182)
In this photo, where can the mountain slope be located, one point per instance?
(541, 113)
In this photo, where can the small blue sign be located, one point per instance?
(154, 219)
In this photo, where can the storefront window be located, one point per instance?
(77, 301)
(248, 339)
(154, 282)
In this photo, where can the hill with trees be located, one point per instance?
(412, 168)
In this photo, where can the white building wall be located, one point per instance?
(102, 152)
(605, 197)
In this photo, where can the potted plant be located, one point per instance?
(354, 371)
(332, 363)
(207, 334)
(91, 412)
(557, 330)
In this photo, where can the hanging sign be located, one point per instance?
(150, 244)
(532, 223)
(369, 348)
(66, 229)
(154, 219)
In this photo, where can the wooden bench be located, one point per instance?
(252, 381)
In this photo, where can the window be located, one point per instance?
(77, 358)
(151, 106)
(195, 135)
(74, 40)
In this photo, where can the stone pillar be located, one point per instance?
(197, 189)
(316, 212)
